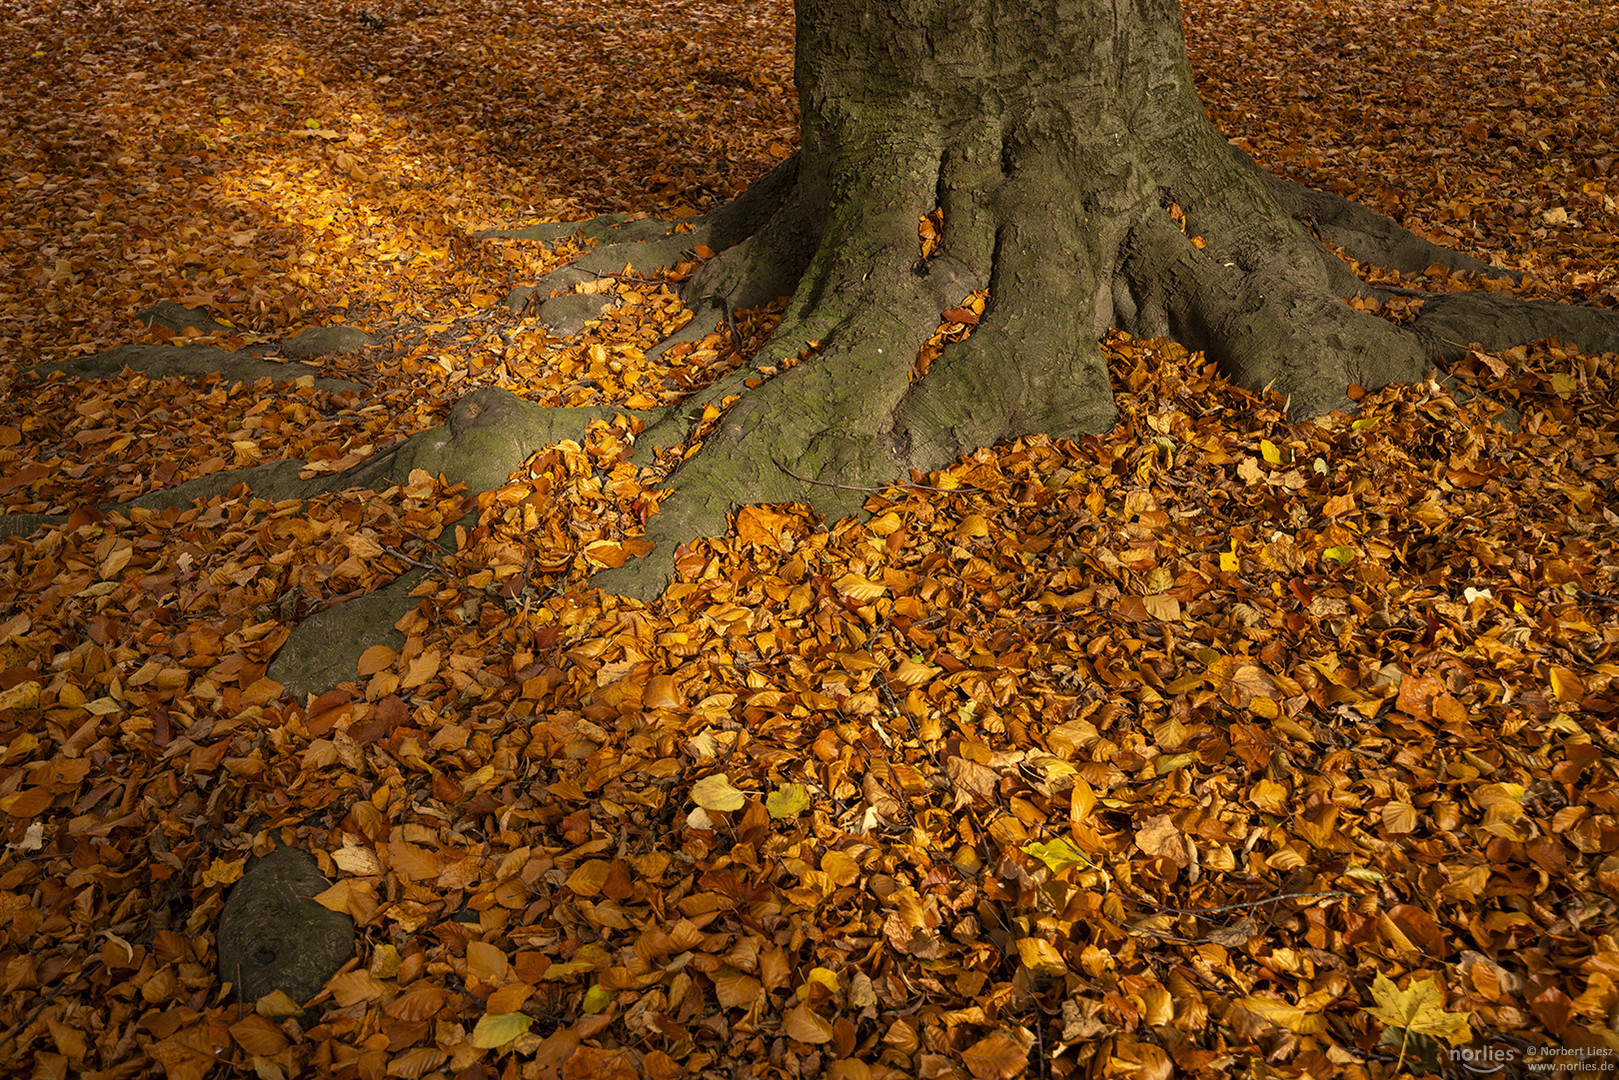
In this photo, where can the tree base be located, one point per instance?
(840, 402)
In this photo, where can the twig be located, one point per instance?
(876, 490)
(1243, 906)
(431, 567)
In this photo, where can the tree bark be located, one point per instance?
(1082, 186)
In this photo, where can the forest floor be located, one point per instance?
(1218, 744)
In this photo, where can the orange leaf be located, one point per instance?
(588, 879)
(353, 987)
(509, 998)
(661, 693)
(1416, 694)
(995, 1057)
(376, 658)
(486, 963)
(804, 1025)
(411, 862)
(259, 1035)
(759, 525)
(26, 803)
(419, 1003)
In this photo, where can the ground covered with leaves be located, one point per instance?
(1218, 744)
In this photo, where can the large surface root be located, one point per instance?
(1369, 236)
(1450, 323)
(834, 408)
(1261, 295)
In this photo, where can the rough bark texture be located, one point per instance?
(1054, 136)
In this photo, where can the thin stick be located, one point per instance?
(1245, 905)
(875, 490)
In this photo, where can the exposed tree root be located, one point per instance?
(1368, 236)
(1258, 293)
(833, 403)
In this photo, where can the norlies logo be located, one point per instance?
(1495, 1060)
(1483, 1060)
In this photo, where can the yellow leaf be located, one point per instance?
(1041, 957)
(972, 525)
(224, 871)
(856, 587)
(567, 968)
(717, 793)
(1272, 452)
(787, 800)
(25, 695)
(385, 961)
(477, 780)
(825, 976)
(1277, 1012)
(1505, 798)
(597, 998)
(1058, 854)
(497, 1029)
(1567, 686)
(1420, 1009)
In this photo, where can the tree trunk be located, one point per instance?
(1080, 184)
(1060, 155)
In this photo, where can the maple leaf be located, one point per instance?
(1419, 1009)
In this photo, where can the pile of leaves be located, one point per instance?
(1218, 743)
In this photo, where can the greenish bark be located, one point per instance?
(1054, 137)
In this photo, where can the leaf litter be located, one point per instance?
(1217, 743)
